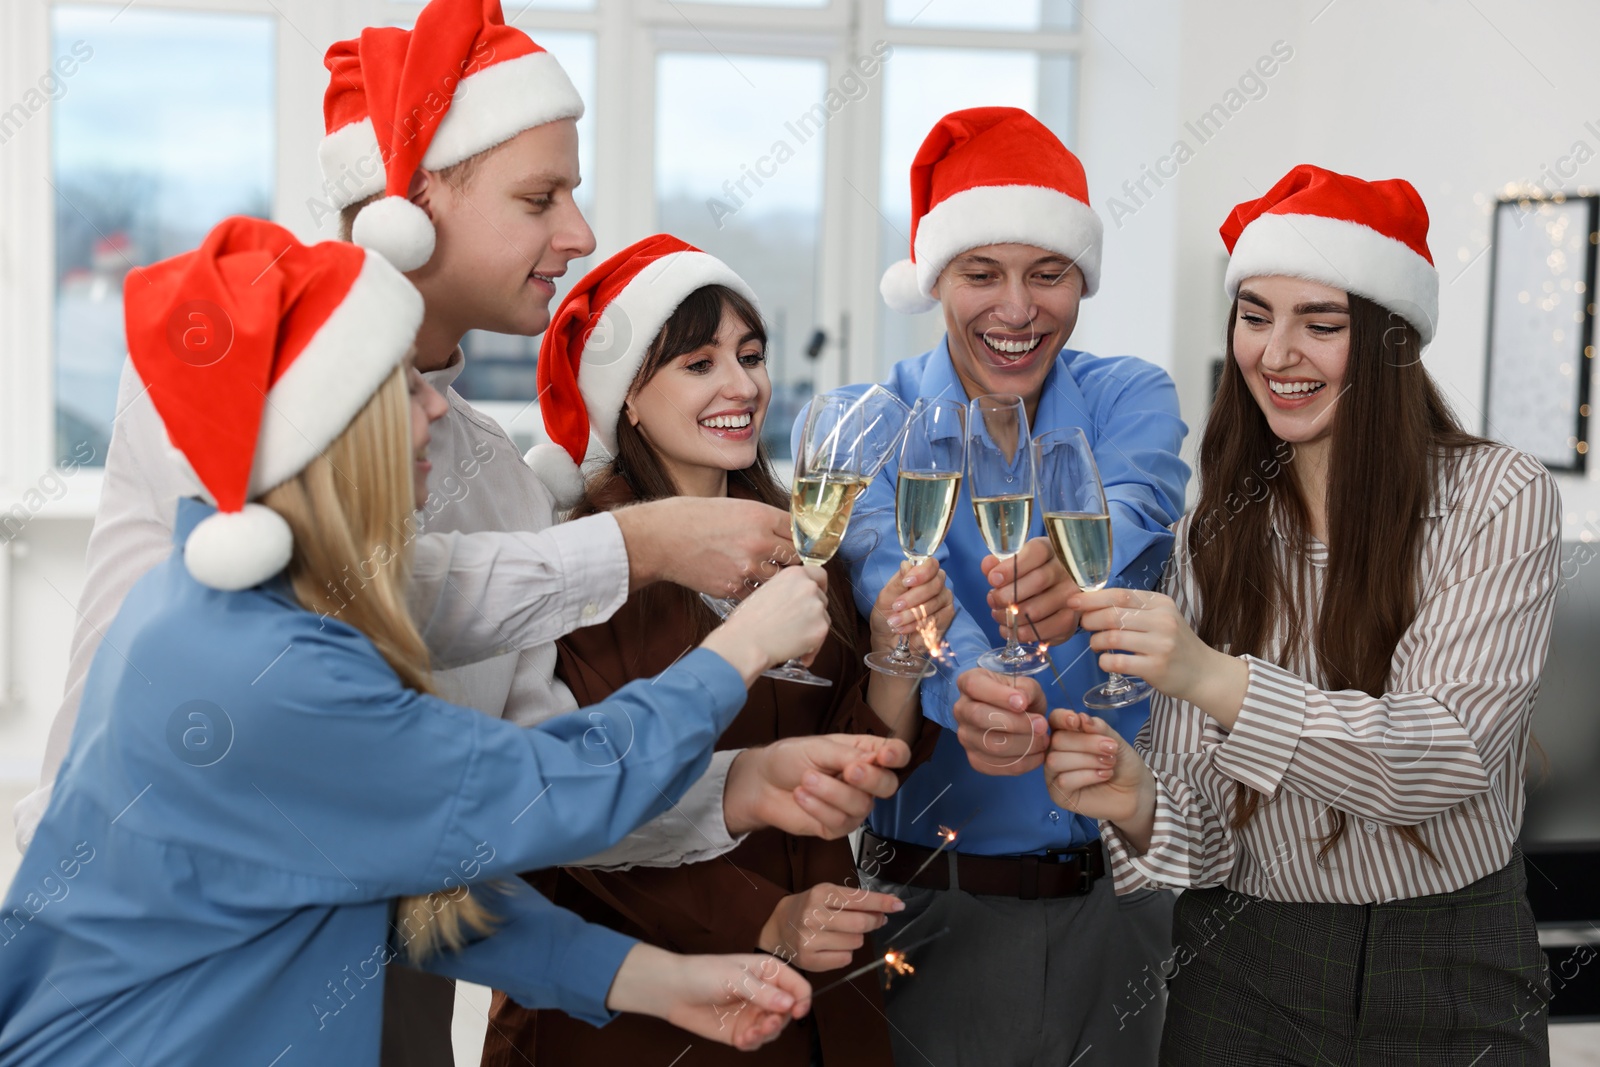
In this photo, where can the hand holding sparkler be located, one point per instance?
(1000, 721)
(916, 602)
(740, 1000)
(1093, 771)
(822, 927)
(820, 786)
(1036, 585)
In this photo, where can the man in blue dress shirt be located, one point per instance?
(1043, 963)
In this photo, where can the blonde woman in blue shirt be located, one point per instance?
(260, 773)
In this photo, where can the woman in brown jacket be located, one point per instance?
(679, 411)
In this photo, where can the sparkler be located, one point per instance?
(947, 837)
(893, 961)
(928, 631)
(1044, 646)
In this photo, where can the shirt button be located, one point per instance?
(590, 610)
(1370, 827)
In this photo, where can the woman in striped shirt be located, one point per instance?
(1347, 656)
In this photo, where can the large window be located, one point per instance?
(164, 127)
(988, 15)
(763, 214)
(775, 134)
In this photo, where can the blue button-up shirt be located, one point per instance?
(1129, 410)
(248, 789)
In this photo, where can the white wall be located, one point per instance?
(1130, 92)
(1459, 98)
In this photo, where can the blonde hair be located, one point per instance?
(352, 512)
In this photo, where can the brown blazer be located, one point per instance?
(720, 905)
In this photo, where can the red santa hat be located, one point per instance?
(1367, 238)
(457, 84)
(257, 351)
(596, 344)
(992, 175)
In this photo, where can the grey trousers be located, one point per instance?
(417, 1008)
(1065, 982)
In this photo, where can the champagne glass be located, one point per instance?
(1000, 477)
(845, 442)
(884, 418)
(827, 479)
(1079, 524)
(925, 494)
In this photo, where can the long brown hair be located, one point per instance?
(1392, 433)
(636, 473)
(350, 511)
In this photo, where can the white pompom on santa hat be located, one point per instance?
(985, 176)
(458, 83)
(257, 351)
(596, 344)
(1367, 238)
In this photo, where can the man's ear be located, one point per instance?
(424, 184)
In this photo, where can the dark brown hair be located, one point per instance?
(636, 472)
(1392, 432)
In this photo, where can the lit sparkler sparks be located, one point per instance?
(893, 961)
(1044, 647)
(938, 650)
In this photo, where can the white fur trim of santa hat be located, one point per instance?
(1342, 254)
(313, 401)
(554, 467)
(397, 230)
(337, 373)
(990, 215)
(489, 108)
(616, 347)
(232, 550)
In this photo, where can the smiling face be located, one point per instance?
(428, 406)
(1008, 310)
(1291, 340)
(506, 230)
(701, 411)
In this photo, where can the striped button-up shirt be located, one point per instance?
(1443, 749)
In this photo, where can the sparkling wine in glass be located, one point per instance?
(1000, 479)
(1079, 525)
(845, 442)
(932, 455)
(828, 476)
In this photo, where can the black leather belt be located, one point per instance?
(1066, 872)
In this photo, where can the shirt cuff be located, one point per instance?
(1258, 750)
(592, 961)
(593, 553)
(1165, 863)
(691, 831)
(723, 683)
(540, 955)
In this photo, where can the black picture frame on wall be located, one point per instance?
(1541, 327)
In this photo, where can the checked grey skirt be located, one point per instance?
(1456, 978)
